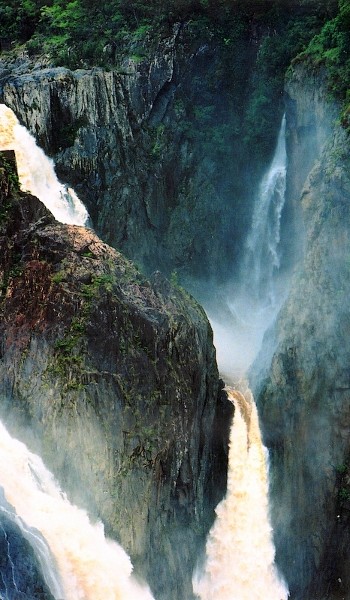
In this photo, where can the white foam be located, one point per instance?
(36, 171)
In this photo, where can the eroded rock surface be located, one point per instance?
(304, 402)
(112, 379)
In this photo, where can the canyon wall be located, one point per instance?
(304, 397)
(149, 146)
(111, 377)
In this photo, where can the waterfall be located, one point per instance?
(261, 260)
(253, 301)
(240, 552)
(77, 560)
(36, 171)
(39, 546)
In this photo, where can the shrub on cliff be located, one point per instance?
(331, 49)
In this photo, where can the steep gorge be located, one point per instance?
(108, 133)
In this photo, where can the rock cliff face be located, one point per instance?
(112, 379)
(304, 400)
(137, 144)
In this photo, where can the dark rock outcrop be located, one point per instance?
(112, 379)
(304, 400)
(153, 148)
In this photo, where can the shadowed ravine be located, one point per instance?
(253, 299)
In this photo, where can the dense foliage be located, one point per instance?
(275, 54)
(92, 31)
(83, 33)
(331, 49)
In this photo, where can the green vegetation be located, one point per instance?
(344, 495)
(58, 277)
(158, 138)
(4, 211)
(330, 49)
(275, 54)
(91, 32)
(341, 469)
(255, 37)
(68, 357)
(87, 33)
(342, 472)
(174, 279)
(8, 174)
(75, 31)
(92, 289)
(70, 349)
(225, 117)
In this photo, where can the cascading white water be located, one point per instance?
(240, 552)
(255, 298)
(261, 258)
(36, 171)
(86, 565)
(40, 548)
